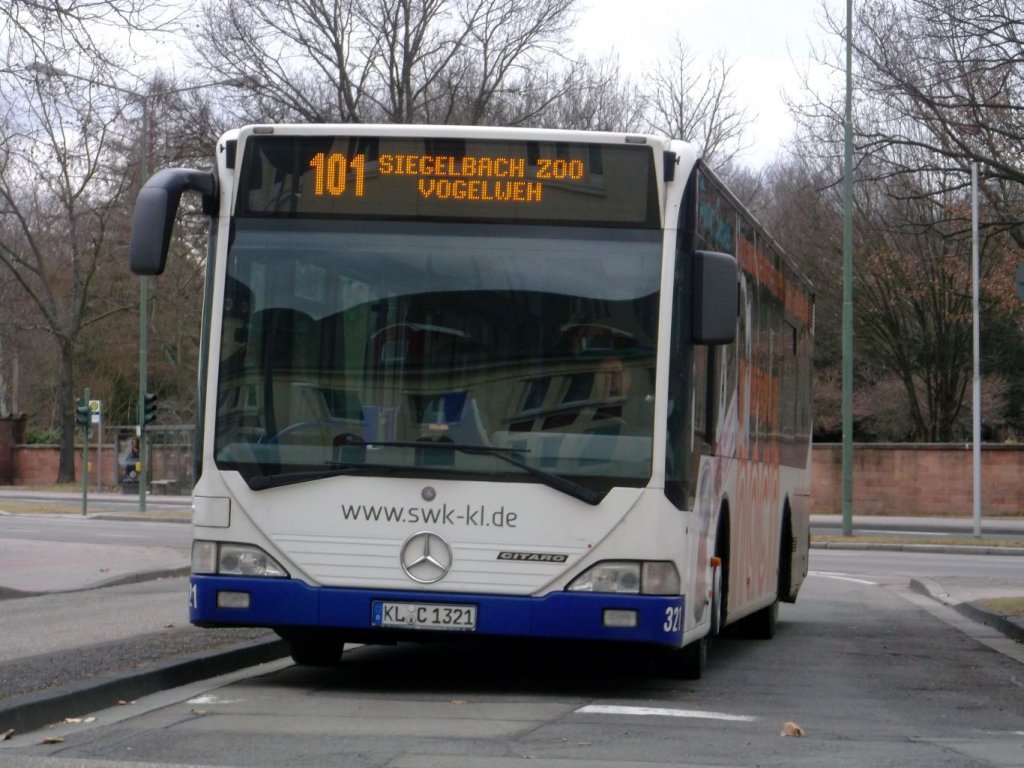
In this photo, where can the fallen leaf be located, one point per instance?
(791, 729)
(52, 740)
(199, 712)
(168, 626)
(5, 735)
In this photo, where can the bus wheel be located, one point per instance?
(693, 659)
(762, 624)
(717, 608)
(688, 662)
(315, 649)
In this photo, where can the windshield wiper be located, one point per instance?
(262, 482)
(558, 482)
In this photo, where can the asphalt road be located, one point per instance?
(87, 530)
(875, 674)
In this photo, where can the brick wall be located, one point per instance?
(888, 479)
(38, 465)
(915, 479)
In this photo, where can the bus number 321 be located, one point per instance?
(673, 619)
(332, 172)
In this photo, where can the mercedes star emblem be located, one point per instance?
(426, 557)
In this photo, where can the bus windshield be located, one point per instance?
(428, 349)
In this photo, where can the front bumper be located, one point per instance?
(284, 603)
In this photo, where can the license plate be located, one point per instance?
(424, 615)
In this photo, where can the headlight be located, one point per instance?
(660, 578)
(629, 577)
(611, 576)
(229, 559)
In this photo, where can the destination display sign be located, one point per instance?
(433, 178)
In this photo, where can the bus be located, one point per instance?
(490, 382)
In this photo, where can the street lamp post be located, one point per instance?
(847, 407)
(143, 322)
(48, 70)
(976, 343)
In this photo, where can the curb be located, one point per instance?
(929, 588)
(33, 711)
(138, 517)
(10, 593)
(1001, 623)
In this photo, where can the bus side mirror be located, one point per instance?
(155, 211)
(716, 297)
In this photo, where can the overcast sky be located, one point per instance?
(765, 39)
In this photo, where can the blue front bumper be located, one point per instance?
(282, 603)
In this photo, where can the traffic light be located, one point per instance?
(83, 413)
(149, 408)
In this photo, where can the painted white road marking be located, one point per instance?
(210, 698)
(608, 709)
(841, 577)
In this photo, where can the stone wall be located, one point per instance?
(919, 479)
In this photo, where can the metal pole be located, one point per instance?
(847, 484)
(86, 428)
(99, 453)
(143, 323)
(975, 321)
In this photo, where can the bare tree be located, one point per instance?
(945, 83)
(601, 97)
(938, 86)
(57, 200)
(384, 60)
(50, 30)
(508, 43)
(691, 100)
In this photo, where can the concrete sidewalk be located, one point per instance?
(29, 567)
(34, 566)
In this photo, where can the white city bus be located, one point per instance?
(466, 381)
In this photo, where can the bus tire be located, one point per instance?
(717, 600)
(688, 662)
(762, 624)
(720, 582)
(315, 649)
(693, 659)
